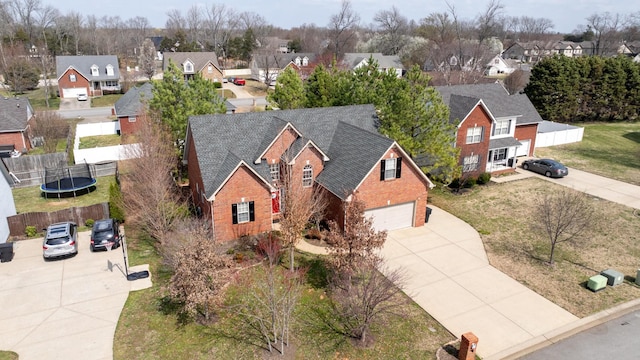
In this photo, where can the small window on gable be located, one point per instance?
(242, 212)
(132, 119)
(210, 69)
(390, 168)
(474, 134)
(274, 169)
(72, 77)
(110, 70)
(307, 176)
(94, 70)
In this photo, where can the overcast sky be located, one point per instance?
(565, 14)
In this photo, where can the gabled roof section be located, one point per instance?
(384, 61)
(298, 146)
(460, 106)
(132, 101)
(82, 64)
(281, 60)
(497, 100)
(199, 59)
(15, 113)
(272, 134)
(216, 136)
(228, 167)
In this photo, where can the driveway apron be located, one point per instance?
(450, 277)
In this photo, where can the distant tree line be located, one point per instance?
(591, 88)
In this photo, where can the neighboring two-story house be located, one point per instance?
(235, 163)
(269, 66)
(93, 75)
(16, 115)
(493, 127)
(191, 63)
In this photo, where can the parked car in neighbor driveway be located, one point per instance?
(239, 81)
(83, 97)
(60, 239)
(546, 167)
(104, 232)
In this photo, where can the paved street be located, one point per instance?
(615, 339)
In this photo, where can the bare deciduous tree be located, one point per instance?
(563, 216)
(201, 270)
(50, 127)
(299, 204)
(393, 27)
(363, 296)
(605, 29)
(147, 58)
(269, 298)
(356, 243)
(151, 195)
(516, 81)
(342, 29)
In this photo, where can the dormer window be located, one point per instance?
(110, 70)
(298, 61)
(188, 67)
(94, 70)
(305, 61)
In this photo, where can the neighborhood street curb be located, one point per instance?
(566, 331)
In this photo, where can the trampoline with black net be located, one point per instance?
(68, 180)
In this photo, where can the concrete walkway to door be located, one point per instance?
(449, 276)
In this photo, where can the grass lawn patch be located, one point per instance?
(8, 355)
(88, 142)
(148, 329)
(105, 100)
(607, 149)
(30, 199)
(501, 213)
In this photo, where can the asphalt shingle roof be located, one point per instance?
(199, 59)
(497, 100)
(280, 60)
(15, 112)
(83, 64)
(503, 143)
(460, 106)
(347, 134)
(384, 61)
(130, 103)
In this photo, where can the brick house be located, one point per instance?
(235, 161)
(493, 127)
(16, 115)
(129, 107)
(204, 63)
(93, 75)
(269, 66)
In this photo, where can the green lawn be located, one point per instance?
(105, 100)
(88, 142)
(8, 355)
(37, 99)
(144, 331)
(607, 149)
(30, 199)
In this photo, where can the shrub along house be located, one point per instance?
(493, 127)
(235, 161)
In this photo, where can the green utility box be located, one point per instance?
(597, 283)
(613, 277)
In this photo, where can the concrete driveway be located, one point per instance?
(449, 276)
(74, 104)
(596, 185)
(63, 309)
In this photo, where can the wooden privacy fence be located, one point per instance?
(18, 223)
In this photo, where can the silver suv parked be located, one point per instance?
(61, 239)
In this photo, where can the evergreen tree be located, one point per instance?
(289, 91)
(319, 88)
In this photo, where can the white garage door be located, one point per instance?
(523, 150)
(392, 217)
(73, 92)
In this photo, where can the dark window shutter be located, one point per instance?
(252, 214)
(234, 213)
(398, 167)
(382, 170)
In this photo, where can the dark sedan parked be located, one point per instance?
(546, 167)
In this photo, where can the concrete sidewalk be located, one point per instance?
(63, 309)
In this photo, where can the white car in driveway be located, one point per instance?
(83, 97)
